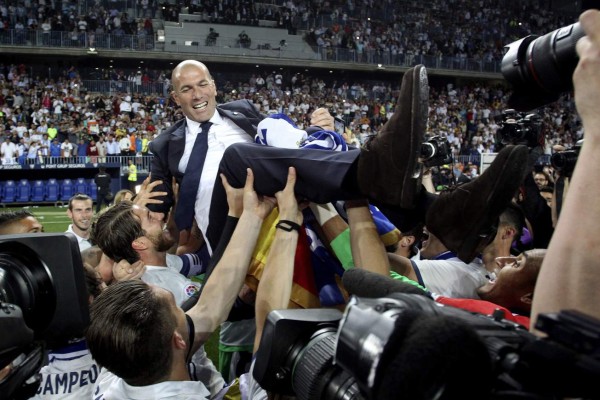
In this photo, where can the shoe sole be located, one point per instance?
(516, 161)
(419, 114)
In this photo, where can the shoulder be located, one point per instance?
(164, 137)
(242, 106)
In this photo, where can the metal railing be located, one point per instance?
(142, 163)
(144, 42)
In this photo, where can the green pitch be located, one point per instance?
(54, 219)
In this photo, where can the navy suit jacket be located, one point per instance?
(168, 147)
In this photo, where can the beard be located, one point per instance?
(162, 242)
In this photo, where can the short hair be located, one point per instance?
(78, 196)
(513, 216)
(9, 217)
(120, 195)
(115, 229)
(547, 189)
(131, 331)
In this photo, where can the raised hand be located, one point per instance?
(321, 117)
(261, 206)
(287, 202)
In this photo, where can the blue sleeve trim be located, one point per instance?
(418, 273)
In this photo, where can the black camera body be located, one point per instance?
(410, 346)
(43, 300)
(564, 161)
(520, 128)
(435, 152)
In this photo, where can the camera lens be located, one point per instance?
(315, 376)
(25, 281)
(541, 68)
(564, 161)
(427, 150)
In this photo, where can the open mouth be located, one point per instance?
(201, 106)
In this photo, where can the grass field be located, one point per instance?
(55, 219)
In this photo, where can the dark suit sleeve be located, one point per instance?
(160, 172)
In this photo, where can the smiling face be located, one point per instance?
(515, 281)
(80, 213)
(194, 90)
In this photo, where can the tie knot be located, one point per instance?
(205, 126)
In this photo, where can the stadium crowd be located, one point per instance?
(60, 118)
(227, 229)
(376, 32)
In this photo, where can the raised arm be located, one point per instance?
(227, 279)
(275, 285)
(570, 274)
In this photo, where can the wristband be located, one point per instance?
(288, 226)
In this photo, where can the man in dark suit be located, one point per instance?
(387, 171)
(194, 90)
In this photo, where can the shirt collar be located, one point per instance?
(194, 126)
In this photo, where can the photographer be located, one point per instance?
(569, 274)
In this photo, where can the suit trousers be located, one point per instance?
(322, 176)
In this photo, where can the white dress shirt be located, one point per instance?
(222, 134)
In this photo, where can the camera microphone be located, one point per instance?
(363, 283)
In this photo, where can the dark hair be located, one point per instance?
(131, 331)
(78, 196)
(115, 229)
(8, 217)
(513, 216)
(547, 189)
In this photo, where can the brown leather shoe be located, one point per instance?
(388, 167)
(465, 218)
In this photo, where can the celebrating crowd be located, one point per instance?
(258, 202)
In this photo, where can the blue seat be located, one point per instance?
(52, 190)
(92, 189)
(23, 191)
(81, 186)
(66, 189)
(9, 192)
(38, 191)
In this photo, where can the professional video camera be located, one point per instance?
(436, 151)
(408, 346)
(541, 68)
(518, 128)
(564, 161)
(43, 301)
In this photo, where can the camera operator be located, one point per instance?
(569, 275)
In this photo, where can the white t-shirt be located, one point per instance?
(83, 243)
(70, 374)
(448, 276)
(111, 387)
(170, 279)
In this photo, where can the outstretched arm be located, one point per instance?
(221, 290)
(275, 285)
(570, 274)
